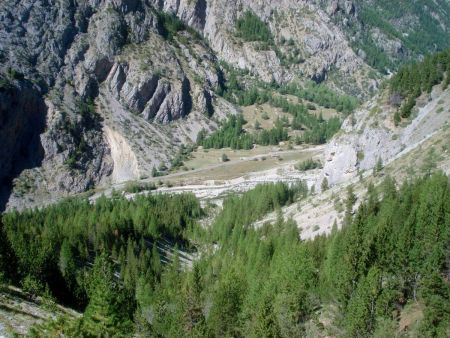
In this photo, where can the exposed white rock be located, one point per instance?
(124, 160)
(371, 135)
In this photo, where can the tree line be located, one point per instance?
(414, 79)
(250, 27)
(316, 129)
(234, 90)
(322, 95)
(231, 134)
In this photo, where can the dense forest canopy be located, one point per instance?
(231, 134)
(249, 281)
(251, 28)
(52, 247)
(414, 79)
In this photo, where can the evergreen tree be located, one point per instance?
(349, 203)
(67, 264)
(361, 311)
(378, 168)
(227, 303)
(194, 320)
(414, 79)
(250, 28)
(256, 281)
(107, 313)
(8, 263)
(324, 184)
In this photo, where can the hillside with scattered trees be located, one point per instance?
(417, 78)
(231, 134)
(421, 27)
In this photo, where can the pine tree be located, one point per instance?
(107, 313)
(349, 203)
(156, 260)
(155, 172)
(378, 167)
(361, 311)
(67, 264)
(227, 304)
(397, 118)
(265, 322)
(324, 184)
(8, 263)
(194, 320)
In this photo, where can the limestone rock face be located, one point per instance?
(371, 135)
(59, 145)
(112, 56)
(316, 40)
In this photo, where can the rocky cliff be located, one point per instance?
(371, 136)
(116, 60)
(307, 43)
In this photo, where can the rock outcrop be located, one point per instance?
(371, 135)
(317, 46)
(72, 155)
(89, 53)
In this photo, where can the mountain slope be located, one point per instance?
(130, 81)
(99, 67)
(390, 32)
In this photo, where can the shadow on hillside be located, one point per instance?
(22, 120)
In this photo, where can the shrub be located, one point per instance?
(251, 28)
(324, 185)
(169, 25)
(136, 187)
(309, 164)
